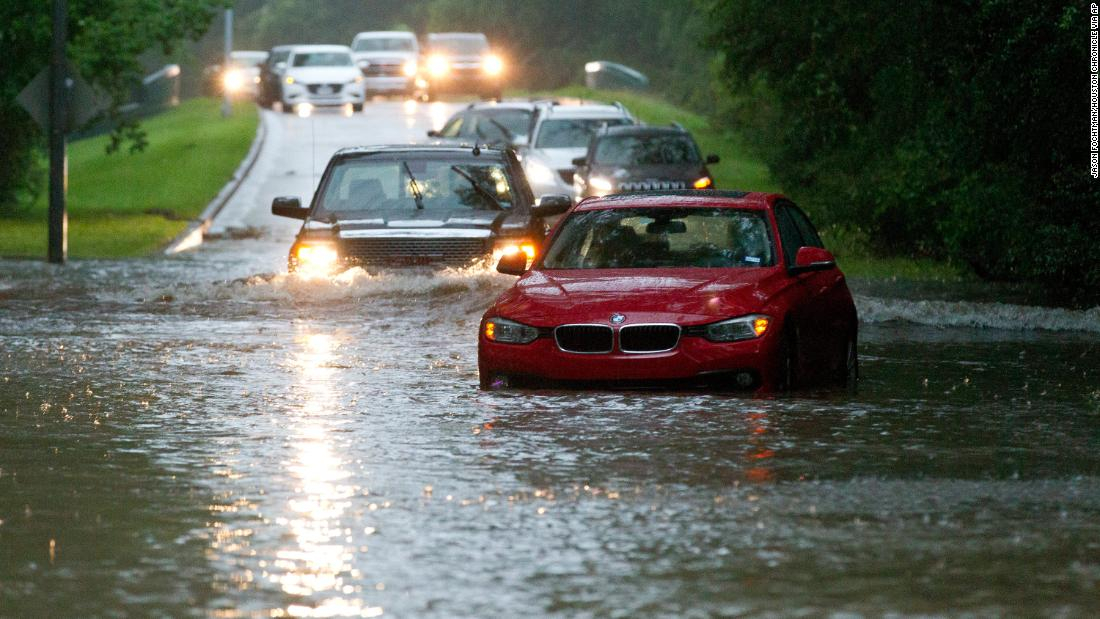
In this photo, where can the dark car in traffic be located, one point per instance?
(269, 89)
(640, 158)
(385, 206)
(462, 63)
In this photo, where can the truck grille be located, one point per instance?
(384, 70)
(652, 185)
(587, 339)
(648, 338)
(413, 251)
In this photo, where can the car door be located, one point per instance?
(826, 310)
(806, 308)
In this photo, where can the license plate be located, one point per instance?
(324, 90)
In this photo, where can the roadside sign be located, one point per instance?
(84, 102)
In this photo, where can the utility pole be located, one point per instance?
(59, 100)
(227, 105)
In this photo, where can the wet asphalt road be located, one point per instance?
(204, 435)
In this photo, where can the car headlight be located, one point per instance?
(538, 174)
(526, 247)
(233, 80)
(505, 331)
(600, 183)
(358, 80)
(316, 257)
(492, 65)
(737, 329)
(702, 183)
(289, 79)
(410, 68)
(438, 65)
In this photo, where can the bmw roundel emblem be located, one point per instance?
(617, 319)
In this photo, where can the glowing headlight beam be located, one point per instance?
(438, 66)
(492, 65)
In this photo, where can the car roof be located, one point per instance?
(457, 35)
(305, 49)
(418, 150)
(642, 130)
(528, 106)
(681, 199)
(385, 34)
(584, 110)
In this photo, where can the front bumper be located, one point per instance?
(315, 94)
(695, 359)
(388, 84)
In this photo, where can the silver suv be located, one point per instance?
(561, 134)
(389, 61)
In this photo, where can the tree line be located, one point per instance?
(953, 130)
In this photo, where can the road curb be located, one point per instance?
(192, 237)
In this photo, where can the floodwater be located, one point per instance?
(202, 436)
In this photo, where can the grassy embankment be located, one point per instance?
(741, 169)
(126, 205)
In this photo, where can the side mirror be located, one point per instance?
(433, 133)
(513, 264)
(579, 161)
(812, 259)
(552, 204)
(712, 159)
(289, 206)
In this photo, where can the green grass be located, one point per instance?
(124, 204)
(739, 168)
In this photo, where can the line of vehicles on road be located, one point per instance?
(632, 268)
(376, 63)
(659, 286)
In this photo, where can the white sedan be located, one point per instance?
(322, 75)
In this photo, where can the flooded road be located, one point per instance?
(204, 435)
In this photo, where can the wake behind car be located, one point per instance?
(641, 158)
(562, 134)
(321, 75)
(730, 289)
(389, 61)
(462, 63)
(416, 205)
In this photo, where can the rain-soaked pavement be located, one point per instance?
(204, 435)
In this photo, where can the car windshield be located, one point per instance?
(516, 123)
(573, 132)
(462, 46)
(629, 238)
(323, 59)
(247, 59)
(628, 150)
(396, 44)
(392, 184)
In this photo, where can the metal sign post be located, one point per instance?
(59, 116)
(227, 105)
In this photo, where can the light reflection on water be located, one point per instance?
(326, 442)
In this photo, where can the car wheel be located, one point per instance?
(287, 109)
(357, 107)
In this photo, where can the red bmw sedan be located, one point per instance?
(726, 289)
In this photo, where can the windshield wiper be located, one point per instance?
(477, 187)
(418, 196)
(507, 134)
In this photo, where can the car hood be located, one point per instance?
(685, 172)
(557, 158)
(426, 222)
(684, 296)
(384, 56)
(314, 75)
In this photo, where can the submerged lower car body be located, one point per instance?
(680, 357)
